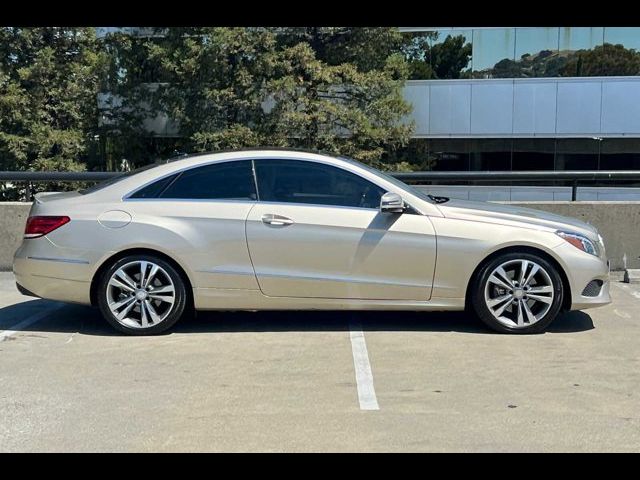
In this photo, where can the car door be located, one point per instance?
(317, 232)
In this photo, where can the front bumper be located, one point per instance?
(581, 269)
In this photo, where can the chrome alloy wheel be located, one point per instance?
(519, 293)
(140, 294)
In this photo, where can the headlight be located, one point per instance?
(579, 241)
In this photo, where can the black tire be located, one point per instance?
(480, 307)
(177, 309)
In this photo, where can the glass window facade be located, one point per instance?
(533, 154)
(537, 52)
(493, 48)
(503, 154)
(572, 39)
(620, 154)
(490, 154)
(567, 108)
(577, 154)
(439, 54)
(628, 37)
(524, 52)
(446, 154)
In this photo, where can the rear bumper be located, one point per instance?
(24, 291)
(46, 271)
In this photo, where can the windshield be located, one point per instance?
(399, 183)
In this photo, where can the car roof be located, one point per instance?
(274, 153)
(249, 151)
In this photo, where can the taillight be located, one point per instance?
(41, 225)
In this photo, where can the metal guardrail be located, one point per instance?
(56, 176)
(575, 177)
(522, 176)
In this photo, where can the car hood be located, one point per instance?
(514, 215)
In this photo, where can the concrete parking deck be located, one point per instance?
(289, 381)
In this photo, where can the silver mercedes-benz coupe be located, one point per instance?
(273, 229)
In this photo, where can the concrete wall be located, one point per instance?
(618, 222)
(13, 216)
(513, 193)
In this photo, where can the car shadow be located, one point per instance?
(88, 321)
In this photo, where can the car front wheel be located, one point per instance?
(518, 293)
(141, 295)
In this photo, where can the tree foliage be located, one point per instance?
(602, 60)
(214, 84)
(71, 100)
(127, 86)
(605, 60)
(49, 79)
(351, 108)
(430, 59)
(336, 89)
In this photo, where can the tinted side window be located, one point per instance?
(296, 181)
(228, 180)
(154, 189)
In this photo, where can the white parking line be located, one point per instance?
(628, 289)
(29, 321)
(364, 377)
(621, 314)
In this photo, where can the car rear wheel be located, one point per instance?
(517, 293)
(141, 295)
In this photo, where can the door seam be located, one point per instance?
(246, 243)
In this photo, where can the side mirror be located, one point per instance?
(391, 203)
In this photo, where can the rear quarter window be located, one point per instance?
(154, 189)
(219, 181)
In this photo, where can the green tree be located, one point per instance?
(126, 94)
(213, 83)
(451, 57)
(505, 68)
(430, 59)
(340, 89)
(415, 156)
(603, 60)
(49, 80)
(337, 108)
(367, 48)
(337, 89)
(69, 100)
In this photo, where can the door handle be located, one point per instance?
(276, 220)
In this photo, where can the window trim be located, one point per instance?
(127, 197)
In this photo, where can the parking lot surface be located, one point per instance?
(318, 381)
